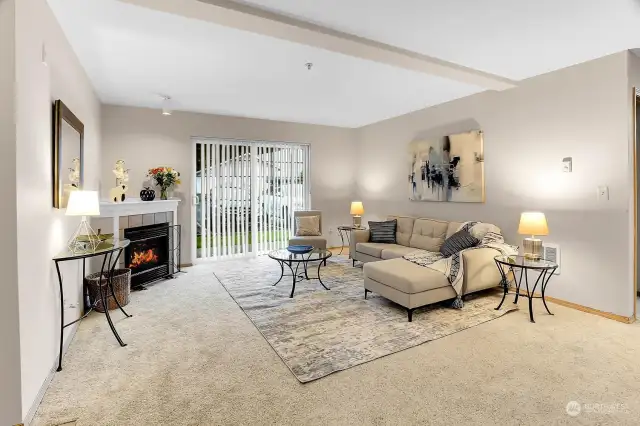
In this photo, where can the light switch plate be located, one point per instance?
(567, 164)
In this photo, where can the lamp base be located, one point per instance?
(84, 240)
(357, 221)
(532, 248)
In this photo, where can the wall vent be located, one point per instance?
(551, 252)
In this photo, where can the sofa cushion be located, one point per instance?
(453, 228)
(457, 242)
(428, 234)
(405, 276)
(404, 229)
(397, 251)
(372, 249)
(311, 240)
(383, 232)
(481, 229)
(308, 226)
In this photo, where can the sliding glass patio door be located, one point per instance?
(245, 195)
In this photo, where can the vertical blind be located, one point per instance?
(247, 193)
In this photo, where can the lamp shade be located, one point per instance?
(83, 203)
(357, 208)
(533, 223)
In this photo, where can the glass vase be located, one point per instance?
(163, 194)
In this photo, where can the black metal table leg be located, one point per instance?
(531, 294)
(319, 265)
(505, 285)
(305, 264)
(61, 316)
(110, 282)
(544, 287)
(105, 305)
(295, 279)
(281, 263)
(518, 284)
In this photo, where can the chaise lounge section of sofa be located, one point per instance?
(413, 286)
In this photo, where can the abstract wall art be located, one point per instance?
(449, 168)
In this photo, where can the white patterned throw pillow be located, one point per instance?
(307, 226)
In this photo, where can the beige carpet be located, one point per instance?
(194, 358)
(319, 331)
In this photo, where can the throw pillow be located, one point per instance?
(458, 242)
(307, 226)
(383, 232)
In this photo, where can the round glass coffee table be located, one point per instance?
(285, 257)
(544, 268)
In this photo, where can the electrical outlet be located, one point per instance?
(603, 193)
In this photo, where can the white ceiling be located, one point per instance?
(132, 54)
(516, 39)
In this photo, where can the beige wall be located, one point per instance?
(144, 138)
(43, 230)
(10, 385)
(580, 112)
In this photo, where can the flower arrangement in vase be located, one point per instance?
(165, 178)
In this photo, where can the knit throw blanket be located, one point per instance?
(453, 267)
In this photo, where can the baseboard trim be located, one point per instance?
(186, 265)
(582, 308)
(45, 385)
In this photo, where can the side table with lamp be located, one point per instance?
(85, 243)
(531, 223)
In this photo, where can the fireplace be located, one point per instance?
(148, 254)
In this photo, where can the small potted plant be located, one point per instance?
(165, 178)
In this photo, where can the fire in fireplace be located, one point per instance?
(148, 253)
(140, 258)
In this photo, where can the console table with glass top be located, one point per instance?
(106, 248)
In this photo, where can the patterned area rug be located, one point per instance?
(319, 331)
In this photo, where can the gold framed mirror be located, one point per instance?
(68, 154)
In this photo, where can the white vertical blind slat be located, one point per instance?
(214, 200)
(225, 210)
(259, 198)
(203, 202)
(211, 194)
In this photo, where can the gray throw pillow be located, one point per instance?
(457, 242)
(383, 232)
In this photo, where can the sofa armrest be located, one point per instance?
(357, 236)
(480, 270)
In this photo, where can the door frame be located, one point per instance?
(635, 108)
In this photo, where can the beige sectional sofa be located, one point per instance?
(412, 286)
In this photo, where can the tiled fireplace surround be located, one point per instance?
(105, 224)
(133, 212)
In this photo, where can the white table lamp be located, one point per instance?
(83, 203)
(357, 210)
(533, 223)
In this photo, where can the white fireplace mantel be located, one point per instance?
(134, 206)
